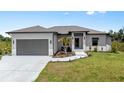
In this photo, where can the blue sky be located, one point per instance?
(103, 21)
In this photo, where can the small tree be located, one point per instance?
(65, 41)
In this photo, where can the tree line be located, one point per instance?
(117, 35)
(3, 38)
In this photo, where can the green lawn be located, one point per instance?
(100, 67)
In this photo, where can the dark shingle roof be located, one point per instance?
(58, 29)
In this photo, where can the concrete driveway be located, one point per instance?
(21, 68)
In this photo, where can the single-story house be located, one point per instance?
(38, 40)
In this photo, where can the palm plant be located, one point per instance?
(65, 41)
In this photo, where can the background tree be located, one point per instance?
(120, 34)
(117, 35)
(5, 45)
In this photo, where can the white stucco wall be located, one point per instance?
(48, 36)
(73, 44)
(55, 43)
(99, 48)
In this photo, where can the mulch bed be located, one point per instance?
(61, 54)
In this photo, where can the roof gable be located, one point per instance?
(30, 29)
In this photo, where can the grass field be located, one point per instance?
(100, 67)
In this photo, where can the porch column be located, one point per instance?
(72, 35)
(84, 41)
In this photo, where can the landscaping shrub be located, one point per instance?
(5, 47)
(90, 48)
(121, 47)
(114, 47)
(95, 49)
(117, 46)
(69, 49)
(88, 53)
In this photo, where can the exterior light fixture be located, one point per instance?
(13, 41)
(50, 41)
(72, 37)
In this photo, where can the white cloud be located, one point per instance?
(90, 12)
(102, 12)
(93, 12)
(66, 13)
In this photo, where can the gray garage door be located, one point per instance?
(32, 47)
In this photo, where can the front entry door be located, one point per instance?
(76, 42)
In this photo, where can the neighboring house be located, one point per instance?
(38, 40)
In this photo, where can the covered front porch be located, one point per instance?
(76, 41)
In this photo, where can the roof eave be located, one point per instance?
(44, 32)
(27, 32)
(97, 33)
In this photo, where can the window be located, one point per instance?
(95, 41)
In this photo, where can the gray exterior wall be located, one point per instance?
(108, 40)
(101, 41)
(104, 42)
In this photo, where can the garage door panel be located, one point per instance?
(32, 47)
